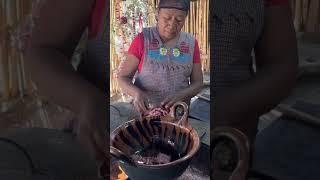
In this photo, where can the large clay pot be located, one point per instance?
(138, 134)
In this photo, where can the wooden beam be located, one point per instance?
(298, 15)
(4, 47)
(313, 17)
(301, 116)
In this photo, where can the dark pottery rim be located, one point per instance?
(188, 156)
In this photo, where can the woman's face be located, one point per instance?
(170, 22)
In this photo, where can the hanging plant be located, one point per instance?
(123, 20)
(131, 16)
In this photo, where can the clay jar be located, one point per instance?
(242, 149)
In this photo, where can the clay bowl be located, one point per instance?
(138, 135)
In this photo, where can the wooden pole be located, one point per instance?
(298, 15)
(300, 116)
(23, 82)
(12, 16)
(111, 44)
(18, 54)
(313, 17)
(2, 15)
(2, 25)
(305, 8)
(4, 60)
(207, 33)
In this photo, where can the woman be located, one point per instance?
(240, 94)
(165, 59)
(57, 31)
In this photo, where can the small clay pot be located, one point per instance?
(139, 134)
(241, 148)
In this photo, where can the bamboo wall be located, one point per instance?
(12, 75)
(114, 59)
(197, 23)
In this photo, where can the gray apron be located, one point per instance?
(167, 73)
(236, 28)
(237, 25)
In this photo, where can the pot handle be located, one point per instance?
(184, 121)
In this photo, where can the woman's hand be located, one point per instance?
(140, 102)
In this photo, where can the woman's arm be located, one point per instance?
(196, 82)
(125, 74)
(48, 60)
(277, 60)
(48, 56)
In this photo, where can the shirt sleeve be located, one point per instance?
(137, 46)
(269, 3)
(196, 53)
(96, 17)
